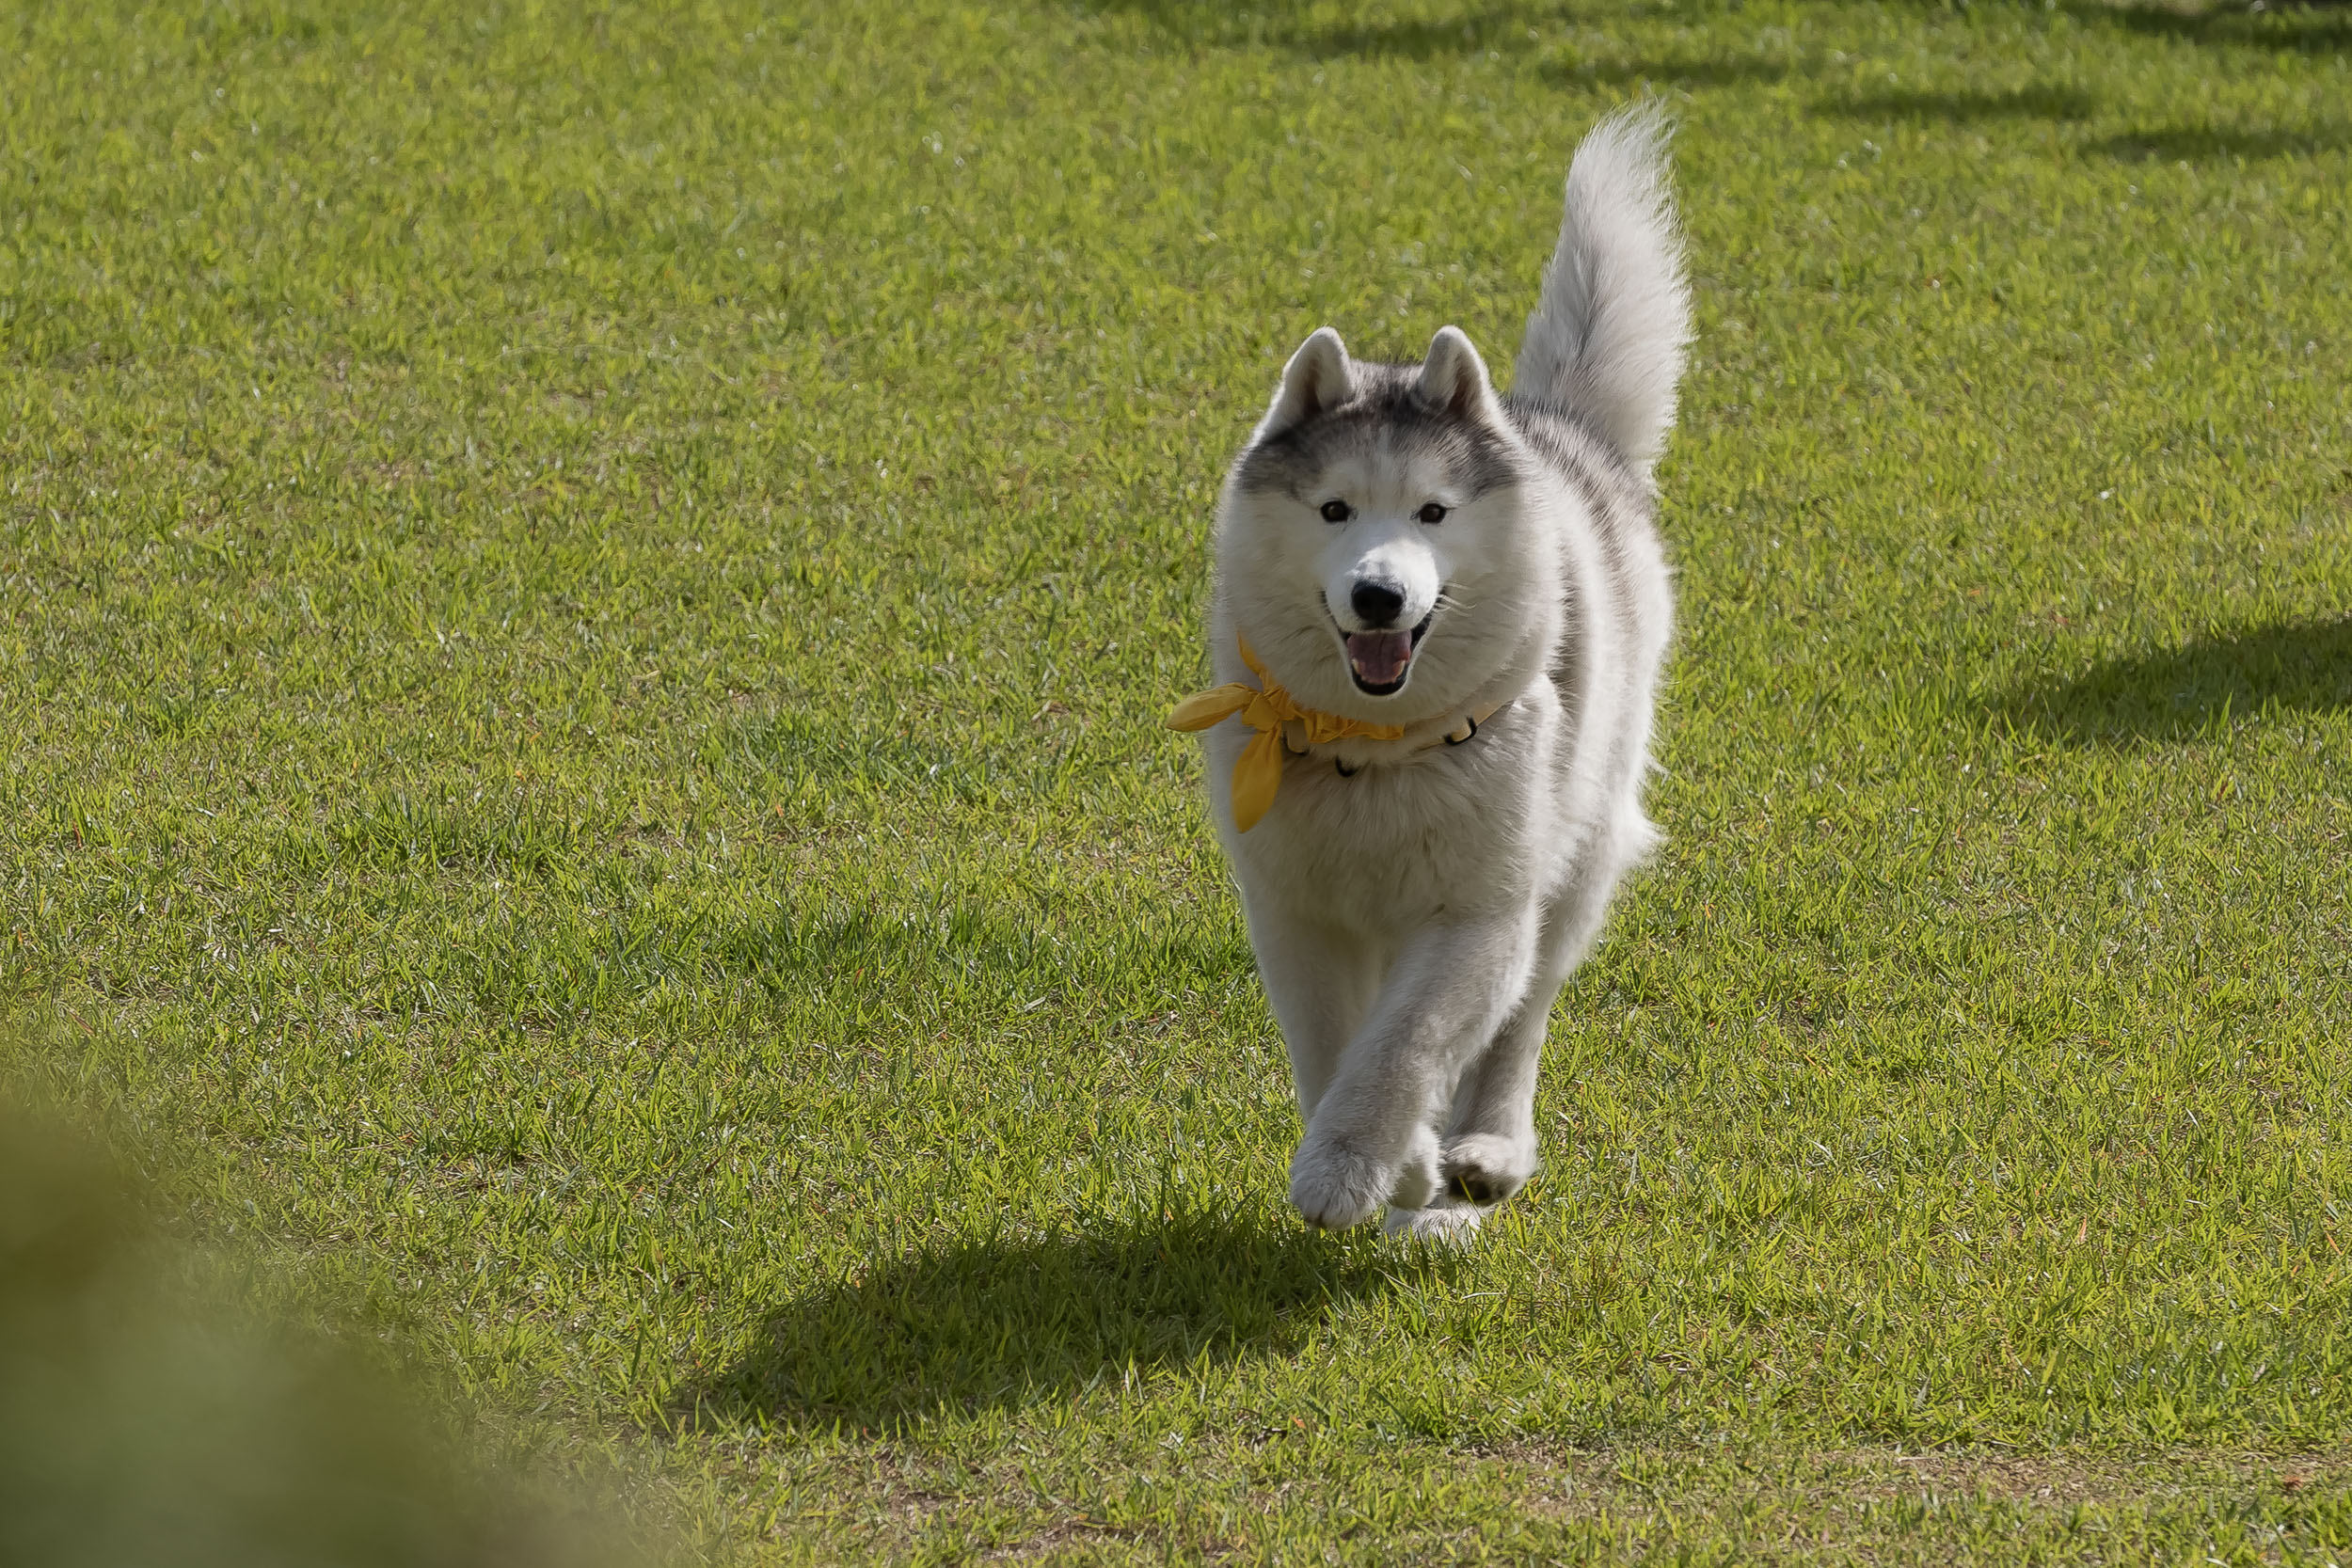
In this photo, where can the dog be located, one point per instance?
(1440, 614)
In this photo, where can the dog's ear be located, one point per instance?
(1317, 379)
(1453, 380)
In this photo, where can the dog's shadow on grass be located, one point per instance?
(950, 1330)
(2193, 690)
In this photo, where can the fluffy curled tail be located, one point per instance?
(1605, 342)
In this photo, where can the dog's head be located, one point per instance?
(1376, 543)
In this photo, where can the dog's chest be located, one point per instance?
(1399, 844)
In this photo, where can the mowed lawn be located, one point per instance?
(585, 599)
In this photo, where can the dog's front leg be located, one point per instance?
(1490, 1148)
(1372, 1140)
(1321, 983)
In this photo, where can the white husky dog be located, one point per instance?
(1441, 615)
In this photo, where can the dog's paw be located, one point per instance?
(1441, 1224)
(1333, 1186)
(1487, 1168)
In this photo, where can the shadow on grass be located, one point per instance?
(1003, 1322)
(2305, 29)
(2316, 28)
(2201, 144)
(2311, 27)
(1228, 24)
(1967, 106)
(2183, 692)
(1235, 23)
(1678, 70)
(1473, 30)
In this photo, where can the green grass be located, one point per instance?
(143, 1419)
(584, 601)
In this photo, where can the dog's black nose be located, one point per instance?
(1376, 604)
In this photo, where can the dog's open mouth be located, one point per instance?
(1380, 660)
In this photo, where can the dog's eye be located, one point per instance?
(1433, 513)
(1336, 512)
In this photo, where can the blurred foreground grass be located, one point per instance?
(147, 1417)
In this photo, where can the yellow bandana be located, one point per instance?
(1265, 707)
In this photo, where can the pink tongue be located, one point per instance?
(1380, 656)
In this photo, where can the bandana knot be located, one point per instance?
(1267, 709)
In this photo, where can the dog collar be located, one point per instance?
(1268, 708)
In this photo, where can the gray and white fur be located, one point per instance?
(1403, 546)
